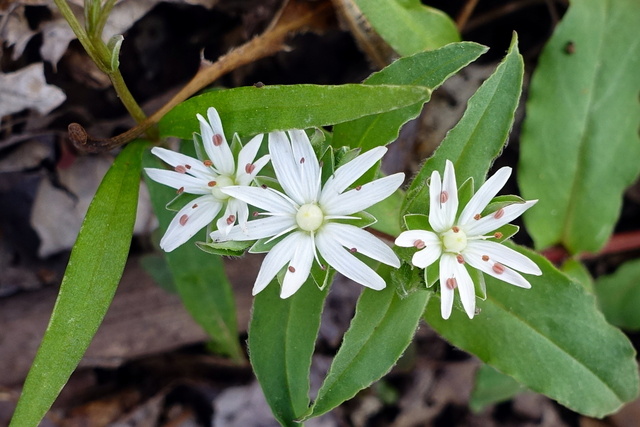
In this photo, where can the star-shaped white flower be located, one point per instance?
(207, 178)
(307, 214)
(464, 241)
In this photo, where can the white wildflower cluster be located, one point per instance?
(309, 220)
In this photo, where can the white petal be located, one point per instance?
(207, 207)
(178, 180)
(365, 243)
(503, 255)
(267, 199)
(308, 164)
(256, 229)
(407, 239)
(490, 222)
(223, 224)
(243, 178)
(277, 257)
(348, 173)
(347, 264)
(427, 256)
(483, 196)
(300, 264)
(220, 155)
(248, 153)
(444, 200)
(194, 166)
(451, 268)
(242, 214)
(369, 194)
(287, 169)
(507, 275)
(446, 293)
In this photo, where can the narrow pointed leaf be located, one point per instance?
(492, 386)
(422, 27)
(550, 338)
(252, 110)
(580, 143)
(380, 331)
(199, 277)
(90, 281)
(429, 69)
(480, 135)
(282, 338)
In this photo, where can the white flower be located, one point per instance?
(307, 215)
(464, 241)
(207, 178)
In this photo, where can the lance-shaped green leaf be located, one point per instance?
(252, 110)
(619, 295)
(199, 277)
(580, 143)
(480, 135)
(380, 331)
(90, 281)
(429, 69)
(408, 25)
(282, 338)
(550, 338)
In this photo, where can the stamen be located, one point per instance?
(455, 229)
(231, 219)
(187, 166)
(301, 160)
(452, 283)
(291, 269)
(359, 187)
(249, 168)
(211, 183)
(180, 169)
(263, 186)
(195, 205)
(497, 235)
(485, 257)
(321, 164)
(323, 267)
(444, 196)
(180, 190)
(184, 219)
(217, 139)
(460, 259)
(498, 268)
(208, 163)
(256, 214)
(499, 213)
(419, 244)
(353, 250)
(477, 217)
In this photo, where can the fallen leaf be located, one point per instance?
(27, 88)
(16, 31)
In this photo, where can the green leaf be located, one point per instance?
(619, 295)
(199, 277)
(409, 26)
(90, 281)
(550, 338)
(428, 69)
(580, 143)
(480, 135)
(380, 331)
(252, 110)
(491, 387)
(282, 338)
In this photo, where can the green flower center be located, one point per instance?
(454, 240)
(309, 217)
(221, 182)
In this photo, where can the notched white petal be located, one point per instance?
(483, 196)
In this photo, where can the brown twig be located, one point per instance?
(620, 242)
(465, 13)
(293, 17)
(499, 12)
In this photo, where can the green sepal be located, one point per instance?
(407, 280)
(432, 274)
(500, 202)
(417, 222)
(361, 220)
(230, 248)
(114, 45)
